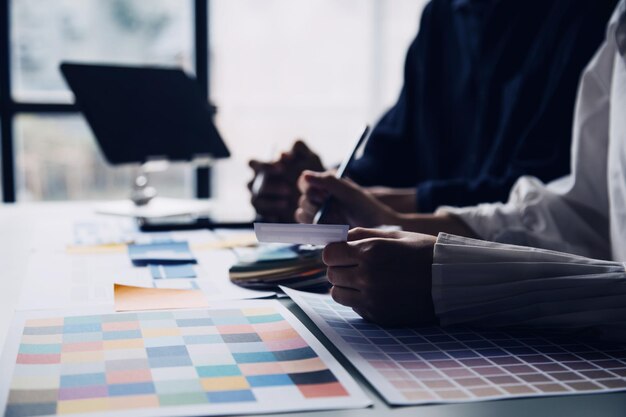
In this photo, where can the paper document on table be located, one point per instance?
(312, 234)
(432, 364)
(236, 358)
(56, 280)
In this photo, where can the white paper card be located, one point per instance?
(302, 234)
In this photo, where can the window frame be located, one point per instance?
(10, 109)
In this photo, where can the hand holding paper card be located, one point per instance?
(312, 234)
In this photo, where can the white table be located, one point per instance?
(24, 226)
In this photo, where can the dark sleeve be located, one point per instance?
(389, 156)
(543, 148)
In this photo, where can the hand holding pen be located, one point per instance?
(329, 198)
(274, 191)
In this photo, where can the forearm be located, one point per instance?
(401, 200)
(433, 224)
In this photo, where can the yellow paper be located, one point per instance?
(129, 298)
(95, 249)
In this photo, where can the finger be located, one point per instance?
(340, 254)
(316, 196)
(346, 296)
(338, 188)
(345, 276)
(360, 233)
(258, 165)
(304, 184)
(300, 148)
(268, 167)
(302, 217)
(307, 206)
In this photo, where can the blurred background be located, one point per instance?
(276, 70)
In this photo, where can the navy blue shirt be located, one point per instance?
(488, 96)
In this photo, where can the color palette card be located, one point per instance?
(246, 357)
(160, 253)
(433, 364)
(172, 271)
(267, 252)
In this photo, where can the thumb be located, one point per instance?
(256, 165)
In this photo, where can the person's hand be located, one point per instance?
(384, 276)
(349, 204)
(274, 186)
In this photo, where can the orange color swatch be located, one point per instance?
(331, 389)
(129, 298)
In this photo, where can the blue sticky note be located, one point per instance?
(172, 271)
(160, 253)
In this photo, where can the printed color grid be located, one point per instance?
(116, 362)
(425, 365)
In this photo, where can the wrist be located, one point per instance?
(401, 200)
(389, 217)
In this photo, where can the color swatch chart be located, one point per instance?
(426, 365)
(253, 356)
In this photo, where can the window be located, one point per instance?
(46, 32)
(279, 69)
(315, 69)
(58, 159)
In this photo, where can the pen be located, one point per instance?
(341, 171)
(259, 178)
(258, 183)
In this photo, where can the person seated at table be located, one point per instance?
(488, 94)
(568, 275)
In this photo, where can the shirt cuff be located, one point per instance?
(488, 221)
(490, 284)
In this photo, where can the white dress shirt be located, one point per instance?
(553, 280)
